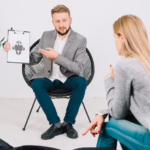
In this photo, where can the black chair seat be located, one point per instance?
(60, 91)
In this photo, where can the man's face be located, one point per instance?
(62, 22)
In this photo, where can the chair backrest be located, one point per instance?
(29, 71)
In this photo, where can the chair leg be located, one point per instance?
(86, 112)
(38, 109)
(29, 115)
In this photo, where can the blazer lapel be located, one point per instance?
(52, 39)
(69, 42)
(50, 43)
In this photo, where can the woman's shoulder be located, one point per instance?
(129, 65)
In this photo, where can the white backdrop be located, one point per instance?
(91, 18)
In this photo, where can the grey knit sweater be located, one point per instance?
(129, 90)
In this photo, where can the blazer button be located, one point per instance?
(49, 71)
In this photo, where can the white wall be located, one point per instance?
(91, 18)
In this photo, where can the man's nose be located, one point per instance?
(61, 24)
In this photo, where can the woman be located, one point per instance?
(128, 90)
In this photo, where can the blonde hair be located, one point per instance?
(60, 9)
(135, 39)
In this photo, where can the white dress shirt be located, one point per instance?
(58, 47)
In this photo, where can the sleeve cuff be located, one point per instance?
(58, 59)
(109, 80)
(103, 112)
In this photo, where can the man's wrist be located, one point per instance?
(56, 56)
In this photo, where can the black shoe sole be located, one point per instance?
(48, 138)
(69, 135)
(72, 137)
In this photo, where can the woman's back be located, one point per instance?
(136, 90)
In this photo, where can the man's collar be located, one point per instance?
(57, 37)
(70, 35)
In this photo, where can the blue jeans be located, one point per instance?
(131, 136)
(76, 84)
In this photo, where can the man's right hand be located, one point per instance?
(7, 47)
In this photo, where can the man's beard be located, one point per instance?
(62, 34)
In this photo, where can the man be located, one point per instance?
(63, 52)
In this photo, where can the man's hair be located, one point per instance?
(60, 9)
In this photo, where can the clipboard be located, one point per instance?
(20, 46)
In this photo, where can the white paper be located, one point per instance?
(20, 47)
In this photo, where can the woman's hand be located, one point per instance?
(110, 74)
(97, 122)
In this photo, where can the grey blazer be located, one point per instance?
(72, 59)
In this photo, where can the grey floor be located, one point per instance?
(13, 113)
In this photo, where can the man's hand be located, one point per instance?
(7, 46)
(97, 122)
(51, 53)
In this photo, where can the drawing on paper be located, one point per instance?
(18, 47)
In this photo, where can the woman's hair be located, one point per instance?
(135, 38)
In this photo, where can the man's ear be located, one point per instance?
(53, 22)
(71, 20)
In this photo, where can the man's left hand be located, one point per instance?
(50, 53)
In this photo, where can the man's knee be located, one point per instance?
(81, 82)
(37, 83)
